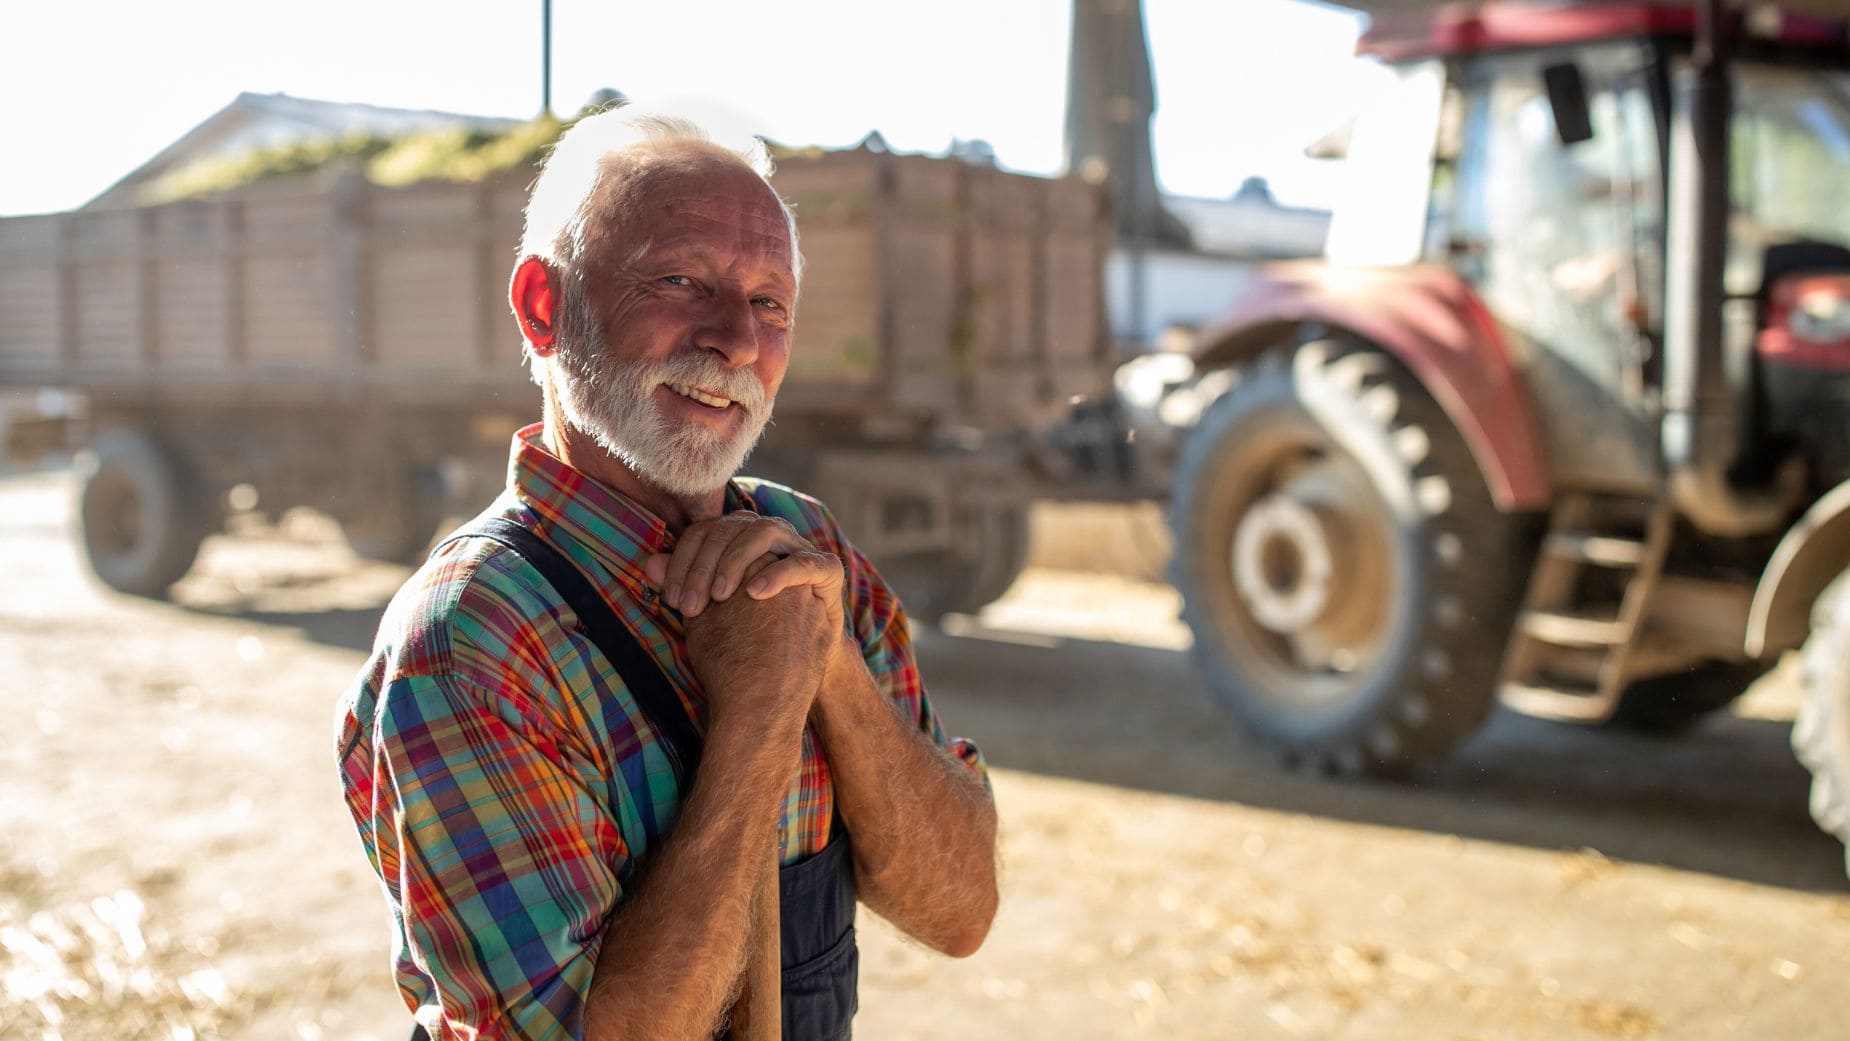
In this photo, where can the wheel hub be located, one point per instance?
(113, 516)
(1282, 563)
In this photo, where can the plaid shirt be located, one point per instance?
(506, 786)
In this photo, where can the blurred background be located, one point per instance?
(1373, 478)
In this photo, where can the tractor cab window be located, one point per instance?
(1563, 241)
(1553, 231)
(1791, 163)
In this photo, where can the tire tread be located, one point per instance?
(1431, 707)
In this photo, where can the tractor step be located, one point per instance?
(1575, 629)
(1571, 704)
(1562, 631)
(1604, 550)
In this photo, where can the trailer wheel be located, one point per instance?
(142, 513)
(399, 527)
(1348, 581)
(998, 540)
(1671, 704)
(990, 552)
(1821, 737)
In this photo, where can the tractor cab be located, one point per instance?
(1530, 153)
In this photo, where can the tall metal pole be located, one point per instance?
(1110, 97)
(545, 57)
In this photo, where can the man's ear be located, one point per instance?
(533, 294)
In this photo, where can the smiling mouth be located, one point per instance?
(696, 394)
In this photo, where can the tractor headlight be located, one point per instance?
(1808, 323)
(1822, 315)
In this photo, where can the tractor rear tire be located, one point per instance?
(1349, 582)
(1671, 704)
(1821, 736)
(142, 512)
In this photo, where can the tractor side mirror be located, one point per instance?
(1567, 98)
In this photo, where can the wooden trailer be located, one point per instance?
(329, 343)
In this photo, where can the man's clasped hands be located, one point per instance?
(762, 655)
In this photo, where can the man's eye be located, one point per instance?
(775, 305)
(677, 280)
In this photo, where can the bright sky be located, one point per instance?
(91, 88)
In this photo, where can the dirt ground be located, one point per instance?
(177, 864)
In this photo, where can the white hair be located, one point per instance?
(563, 209)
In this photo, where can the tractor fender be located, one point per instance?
(1813, 552)
(1435, 324)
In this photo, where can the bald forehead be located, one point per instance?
(650, 167)
(646, 187)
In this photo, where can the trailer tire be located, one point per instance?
(1671, 704)
(399, 529)
(1000, 536)
(1821, 736)
(991, 550)
(142, 512)
(1349, 583)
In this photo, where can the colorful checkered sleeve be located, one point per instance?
(504, 860)
(488, 819)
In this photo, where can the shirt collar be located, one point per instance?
(620, 532)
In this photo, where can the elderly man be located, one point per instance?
(592, 717)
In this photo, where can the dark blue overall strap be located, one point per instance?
(638, 668)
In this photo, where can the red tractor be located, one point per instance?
(1565, 418)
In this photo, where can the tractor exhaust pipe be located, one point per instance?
(1701, 434)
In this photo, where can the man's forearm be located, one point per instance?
(675, 947)
(923, 825)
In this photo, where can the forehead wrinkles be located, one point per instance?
(659, 199)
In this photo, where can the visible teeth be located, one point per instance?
(700, 396)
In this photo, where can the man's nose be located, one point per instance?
(729, 328)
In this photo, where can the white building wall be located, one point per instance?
(1189, 289)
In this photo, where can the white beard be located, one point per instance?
(614, 402)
